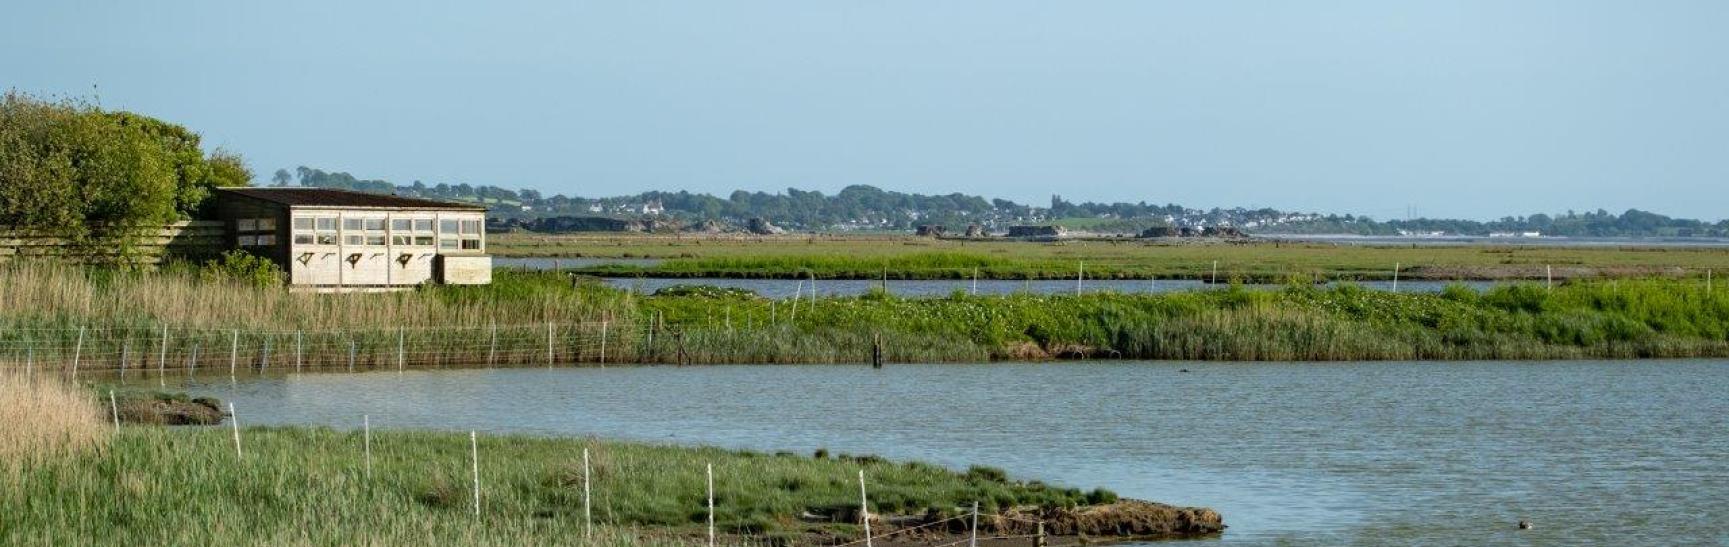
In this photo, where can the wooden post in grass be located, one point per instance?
(115, 407)
(1080, 275)
(587, 505)
(710, 505)
(474, 459)
(1548, 277)
(974, 540)
(1215, 278)
(492, 346)
(975, 280)
(1395, 277)
(234, 422)
(864, 508)
(366, 442)
(162, 360)
(1039, 541)
(234, 353)
(77, 351)
(401, 340)
(876, 350)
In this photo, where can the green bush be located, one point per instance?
(243, 267)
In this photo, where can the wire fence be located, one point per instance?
(128, 349)
(965, 524)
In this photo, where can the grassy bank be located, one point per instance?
(153, 485)
(857, 257)
(105, 320)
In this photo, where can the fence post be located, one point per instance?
(234, 357)
(1548, 277)
(492, 346)
(710, 505)
(1396, 277)
(162, 360)
(1215, 277)
(115, 407)
(974, 540)
(77, 351)
(587, 515)
(366, 443)
(234, 421)
(1080, 275)
(864, 508)
(474, 458)
(975, 280)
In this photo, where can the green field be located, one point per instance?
(902, 257)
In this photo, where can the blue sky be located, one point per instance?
(1459, 108)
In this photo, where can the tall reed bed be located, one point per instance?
(45, 419)
(127, 320)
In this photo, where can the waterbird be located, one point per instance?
(1524, 524)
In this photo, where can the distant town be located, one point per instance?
(866, 209)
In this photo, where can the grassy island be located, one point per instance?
(70, 475)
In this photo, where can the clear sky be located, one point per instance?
(1459, 108)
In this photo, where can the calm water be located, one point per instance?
(1609, 453)
(784, 288)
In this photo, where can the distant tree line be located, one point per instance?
(89, 174)
(868, 207)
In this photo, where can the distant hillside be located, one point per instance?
(867, 208)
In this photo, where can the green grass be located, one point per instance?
(125, 315)
(862, 257)
(310, 486)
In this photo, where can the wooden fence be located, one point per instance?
(195, 238)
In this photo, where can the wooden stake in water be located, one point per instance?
(234, 354)
(192, 360)
(975, 281)
(298, 352)
(549, 345)
(125, 356)
(474, 457)
(115, 407)
(77, 351)
(1395, 277)
(603, 344)
(1080, 275)
(351, 350)
(864, 508)
(813, 287)
(1215, 278)
(366, 442)
(711, 505)
(234, 421)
